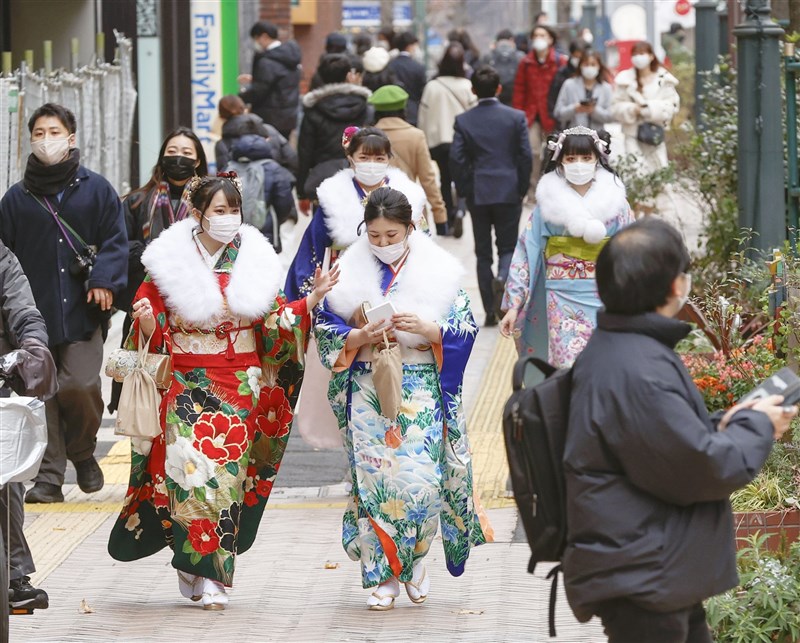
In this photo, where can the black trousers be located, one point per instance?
(504, 218)
(441, 156)
(12, 518)
(625, 622)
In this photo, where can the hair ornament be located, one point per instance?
(233, 178)
(348, 134)
(580, 130)
(191, 187)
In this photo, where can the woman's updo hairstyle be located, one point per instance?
(202, 191)
(371, 141)
(388, 204)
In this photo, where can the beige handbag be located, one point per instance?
(137, 412)
(387, 375)
(122, 362)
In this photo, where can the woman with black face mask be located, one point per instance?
(154, 207)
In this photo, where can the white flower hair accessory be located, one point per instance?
(557, 145)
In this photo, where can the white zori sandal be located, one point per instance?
(188, 585)
(382, 599)
(420, 584)
(214, 596)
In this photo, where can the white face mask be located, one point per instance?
(541, 44)
(223, 227)
(50, 150)
(640, 61)
(574, 61)
(258, 47)
(391, 253)
(590, 73)
(368, 173)
(682, 300)
(579, 173)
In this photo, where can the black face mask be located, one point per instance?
(178, 168)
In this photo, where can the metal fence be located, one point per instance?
(103, 98)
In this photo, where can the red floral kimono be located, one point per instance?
(236, 346)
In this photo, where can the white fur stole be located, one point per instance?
(344, 211)
(583, 216)
(191, 289)
(427, 286)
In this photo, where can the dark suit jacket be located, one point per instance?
(411, 75)
(490, 157)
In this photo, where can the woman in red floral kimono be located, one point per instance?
(212, 301)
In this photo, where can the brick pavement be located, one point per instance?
(300, 599)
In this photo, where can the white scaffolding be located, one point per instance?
(103, 98)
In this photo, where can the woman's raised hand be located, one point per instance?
(508, 322)
(323, 284)
(143, 311)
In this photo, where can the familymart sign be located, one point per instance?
(214, 28)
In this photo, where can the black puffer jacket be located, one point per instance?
(327, 112)
(243, 124)
(275, 91)
(648, 475)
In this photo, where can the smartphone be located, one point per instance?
(381, 314)
(784, 383)
(588, 101)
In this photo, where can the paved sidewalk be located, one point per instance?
(296, 583)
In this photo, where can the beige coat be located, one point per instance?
(443, 99)
(411, 155)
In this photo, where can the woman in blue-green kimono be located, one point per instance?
(410, 473)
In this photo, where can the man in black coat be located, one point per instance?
(327, 112)
(490, 160)
(273, 89)
(648, 473)
(65, 225)
(409, 72)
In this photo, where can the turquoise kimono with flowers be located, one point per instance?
(414, 473)
(551, 281)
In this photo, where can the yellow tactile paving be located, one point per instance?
(485, 424)
(116, 465)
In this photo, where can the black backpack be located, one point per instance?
(535, 429)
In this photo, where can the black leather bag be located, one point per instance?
(650, 134)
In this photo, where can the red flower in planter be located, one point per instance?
(275, 414)
(263, 487)
(203, 536)
(220, 437)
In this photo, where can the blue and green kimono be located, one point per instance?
(410, 474)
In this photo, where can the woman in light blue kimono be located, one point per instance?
(551, 299)
(413, 472)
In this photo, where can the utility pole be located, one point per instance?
(706, 50)
(534, 8)
(387, 14)
(762, 201)
(589, 18)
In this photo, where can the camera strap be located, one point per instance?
(63, 226)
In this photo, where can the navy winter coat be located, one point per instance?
(648, 474)
(92, 207)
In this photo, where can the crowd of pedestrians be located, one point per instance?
(372, 321)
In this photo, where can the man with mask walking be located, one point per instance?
(273, 89)
(65, 225)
